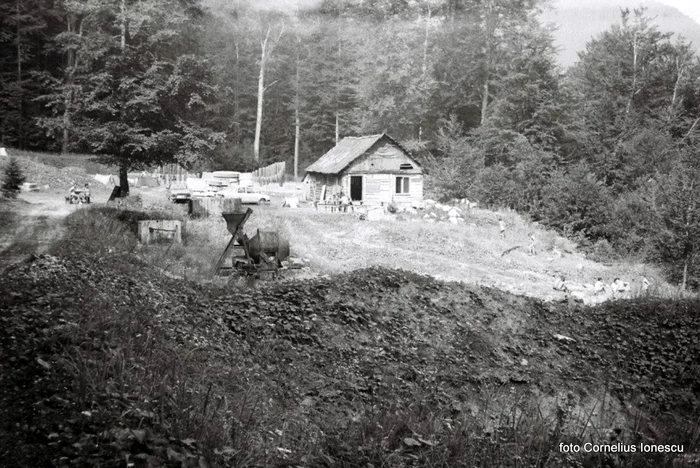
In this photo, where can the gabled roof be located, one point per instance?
(346, 151)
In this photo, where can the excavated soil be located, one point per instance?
(106, 362)
(327, 353)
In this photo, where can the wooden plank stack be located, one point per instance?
(209, 206)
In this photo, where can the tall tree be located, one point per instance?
(629, 80)
(144, 93)
(268, 42)
(22, 30)
(676, 204)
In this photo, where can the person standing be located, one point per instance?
(531, 248)
(502, 228)
(344, 202)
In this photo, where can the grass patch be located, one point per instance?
(91, 164)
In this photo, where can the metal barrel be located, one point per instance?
(270, 243)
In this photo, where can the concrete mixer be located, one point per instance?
(266, 251)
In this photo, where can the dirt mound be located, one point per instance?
(374, 367)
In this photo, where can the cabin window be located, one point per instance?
(402, 185)
(406, 167)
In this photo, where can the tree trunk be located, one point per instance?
(425, 70)
(66, 122)
(261, 93)
(633, 91)
(680, 67)
(484, 99)
(297, 124)
(123, 25)
(236, 98)
(488, 37)
(123, 180)
(339, 71)
(685, 274)
(71, 64)
(123, 168)
(20, 123)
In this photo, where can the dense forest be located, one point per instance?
(605, 152)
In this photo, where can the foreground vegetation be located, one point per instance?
(108, 362)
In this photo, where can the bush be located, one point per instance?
(13, 178)
(576, 203)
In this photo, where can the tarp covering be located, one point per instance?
(147, 181)
(103, 179)
(197, 185)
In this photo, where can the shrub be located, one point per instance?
(13, 178)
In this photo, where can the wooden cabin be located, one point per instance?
(373, 170)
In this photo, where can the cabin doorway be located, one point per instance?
(356, 188)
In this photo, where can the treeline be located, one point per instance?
(605, 152)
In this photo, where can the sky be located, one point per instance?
(690, 8)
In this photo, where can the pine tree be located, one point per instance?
(13, 178)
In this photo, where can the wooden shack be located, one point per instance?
(372, 170)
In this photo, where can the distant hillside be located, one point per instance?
(588, 18)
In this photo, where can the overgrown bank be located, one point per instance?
(106, 362)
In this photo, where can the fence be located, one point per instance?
(274, 173)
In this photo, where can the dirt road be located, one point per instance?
(30, 224)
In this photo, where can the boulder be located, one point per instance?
(375, 214)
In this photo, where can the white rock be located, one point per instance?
(453, 213)
(454, 220)
(375, 215)
(563, 337)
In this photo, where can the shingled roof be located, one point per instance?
(346, 151)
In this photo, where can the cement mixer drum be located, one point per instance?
(270, 243)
